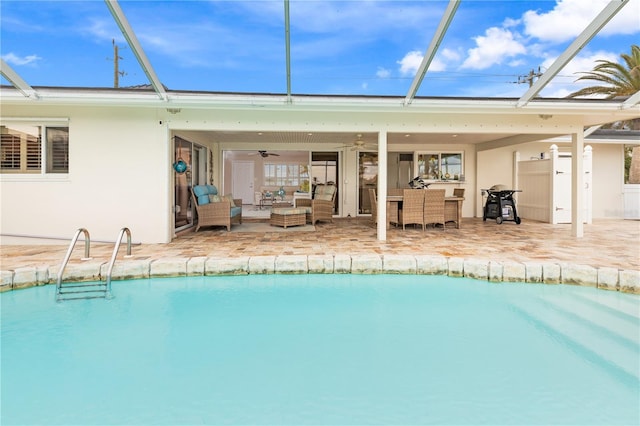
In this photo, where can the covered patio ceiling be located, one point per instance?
(338, 139)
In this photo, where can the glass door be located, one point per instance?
(324, 169)
(367, 179)
(194, 158)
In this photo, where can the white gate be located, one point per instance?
(631, 193)
(561, 193)
(534, 179)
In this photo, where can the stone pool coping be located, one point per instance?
(627, 281)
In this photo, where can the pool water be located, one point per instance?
(322, 349)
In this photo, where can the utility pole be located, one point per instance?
(116, 71)
(530, 77)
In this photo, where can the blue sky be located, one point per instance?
(337, 47)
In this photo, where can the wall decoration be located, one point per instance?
(180, 166)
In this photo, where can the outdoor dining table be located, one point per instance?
(452, 209)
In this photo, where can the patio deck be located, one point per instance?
(611, 244)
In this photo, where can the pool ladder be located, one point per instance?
(89, 290)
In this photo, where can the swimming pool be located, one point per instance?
(328, 349)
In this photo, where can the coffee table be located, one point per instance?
(288, 216)
(281, 204)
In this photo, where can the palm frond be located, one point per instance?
(618, 79)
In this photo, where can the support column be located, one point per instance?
(382, 185)
(577, 184)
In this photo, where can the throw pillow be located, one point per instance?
(199, 190)
(229, 197)
(202, 194)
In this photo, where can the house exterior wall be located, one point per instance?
(494, 167)
(120, 160)
(119, 163)
(608, 180)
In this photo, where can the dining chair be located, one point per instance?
(458, 192)
(412, 207)
(434, 206)
(374, 205)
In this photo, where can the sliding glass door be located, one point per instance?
(325, 169)
(367, 179)
(195, 158)
(399, 173)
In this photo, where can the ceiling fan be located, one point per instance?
(265, 154)
(359, 144)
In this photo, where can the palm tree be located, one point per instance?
(619, 80)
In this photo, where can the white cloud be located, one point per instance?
(12, 58)
(493, 48)
(583, 63)
(437, 65)
(102, 29)
(443, 59)
(510, 22)
(355, 17)
(627, 21)
(410, 63)
(450, 55)
(570, 17)
(565, 82)
(559, 92)
(383, 73)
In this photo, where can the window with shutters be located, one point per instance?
(57, 149)
(34, 148)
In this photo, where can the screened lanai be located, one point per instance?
(503, 49)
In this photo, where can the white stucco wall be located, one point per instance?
(608, 181)
(118, 177)
(494, 167)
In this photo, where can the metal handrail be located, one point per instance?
(74, 240)
(115, 253)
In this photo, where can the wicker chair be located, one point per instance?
(434, 206)
(374, 205)
(321, 206)
(412, 207)
(217, 213)
(458, 192)
(392, 208)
